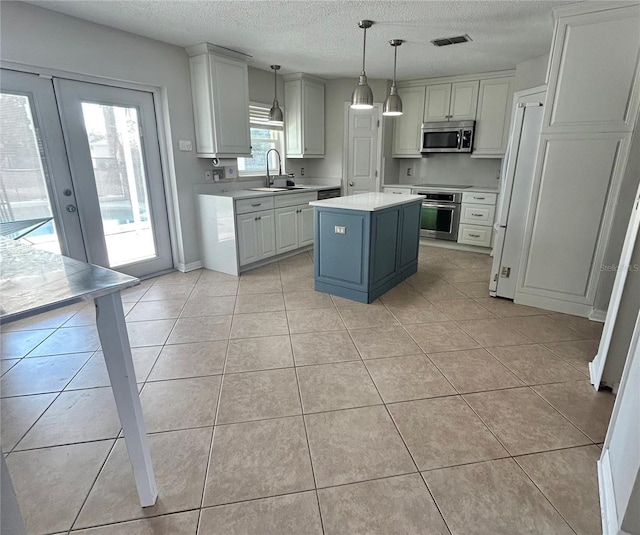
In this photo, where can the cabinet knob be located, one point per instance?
(351, 183)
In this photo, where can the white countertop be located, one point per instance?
(248, 194)
(472, 189)
(367, 202)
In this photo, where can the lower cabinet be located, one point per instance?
(294, 227)
(256, 236)
(476, 219)
(236, 234)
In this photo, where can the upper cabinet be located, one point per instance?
(406, 133)
(593, 69)
(451, 102)
(304, 116)
(220, 92)
(492, 121)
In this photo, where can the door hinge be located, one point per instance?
(376, 173)
(378, 125)
(505, 272)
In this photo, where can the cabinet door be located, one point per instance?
(305, 225)
(406, 132)
(492, 125)
(593, 72)
(464, 99)
(313, 118)
(286, 229)
(230, 94)
(293, 118)
(247, 238)
(202, 104)
(266, 234)
(437, 102)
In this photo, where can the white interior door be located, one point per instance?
(37, 198)
(114, 157)
(364, 142)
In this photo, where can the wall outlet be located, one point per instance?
(409, 171)
(214, 175)
(185, 145)
(208, 175)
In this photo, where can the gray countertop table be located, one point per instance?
(33, 281)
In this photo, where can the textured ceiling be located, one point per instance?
(322, 37)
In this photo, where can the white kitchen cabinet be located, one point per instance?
(294, 221)
(592, 80)
(451, 102)
(256, 236)
(493, 115)
(477, 212)
(406, 131)
(591, 107)
(220, 93)
(474, 235)
(304, 116)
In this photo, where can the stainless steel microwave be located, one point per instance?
(447, 136)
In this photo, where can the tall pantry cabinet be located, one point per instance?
(592, 105)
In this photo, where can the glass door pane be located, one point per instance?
(26, 212)
(118, 165)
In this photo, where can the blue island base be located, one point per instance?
(361, 255)
(364, 296)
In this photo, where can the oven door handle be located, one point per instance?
(459, 136)
(451, 206)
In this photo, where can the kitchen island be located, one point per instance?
(365, 244)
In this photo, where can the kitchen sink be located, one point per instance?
(286, 188)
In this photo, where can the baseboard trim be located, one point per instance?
(607, 496)
(191, 266)
(598, 315)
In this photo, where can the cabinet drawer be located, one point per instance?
(401, 191)
(474, 235)
(479, 198)
(477, 214)
(244, 206)
(294, 199)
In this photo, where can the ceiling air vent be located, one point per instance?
(444, 41)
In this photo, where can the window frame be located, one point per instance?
(256, 122)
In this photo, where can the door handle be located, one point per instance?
(71, 208)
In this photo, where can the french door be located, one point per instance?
(84, 164)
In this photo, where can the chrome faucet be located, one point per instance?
(269, 181)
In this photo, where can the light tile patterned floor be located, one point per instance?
(275, 409)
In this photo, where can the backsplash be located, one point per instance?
(454, 169)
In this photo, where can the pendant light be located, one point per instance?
(393, 104)
(275, 113)
(362, 97)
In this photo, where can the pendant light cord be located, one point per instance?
(395, 60)
(364, 49)
(275, 84)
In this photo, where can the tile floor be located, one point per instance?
(274, 409)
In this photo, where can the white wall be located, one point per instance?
(531, 73)
(454, 169)
(261, 87)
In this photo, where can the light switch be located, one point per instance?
(341, 230)
(185, 145)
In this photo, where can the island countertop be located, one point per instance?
(367, 202)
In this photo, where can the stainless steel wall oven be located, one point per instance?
(440, 214)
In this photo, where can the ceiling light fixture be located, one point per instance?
(362, 96)
(275, 113)
(393, 103)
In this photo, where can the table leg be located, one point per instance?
(117, 355)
